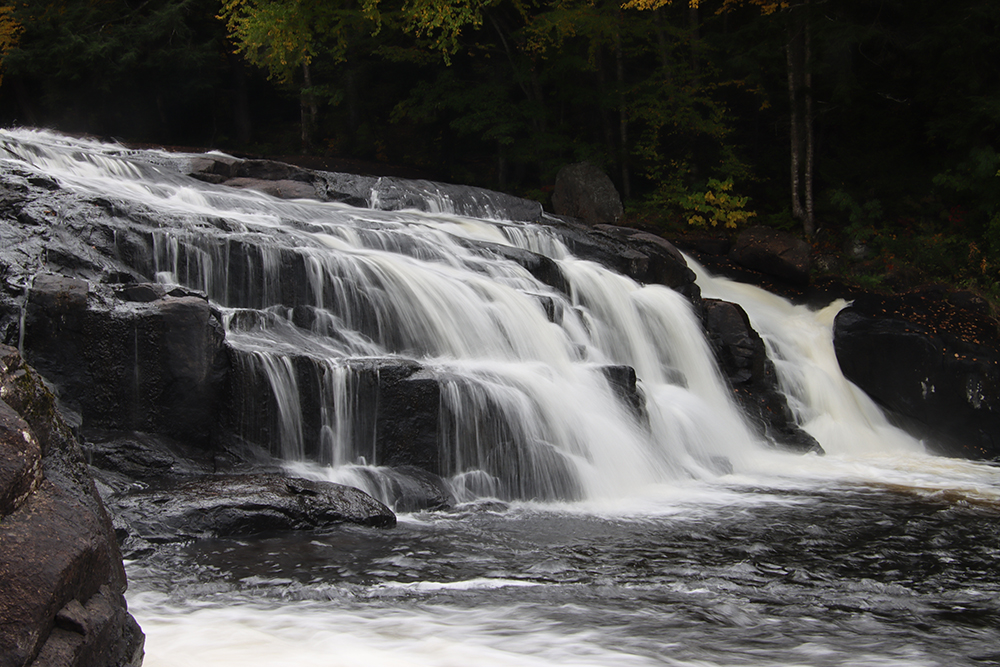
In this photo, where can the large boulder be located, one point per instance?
(742, 356)
(585, 192)
(933, 362)
(773, 252)
(136, 357)
(61, 574)
(244, 505)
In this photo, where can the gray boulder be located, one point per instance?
(585, 192)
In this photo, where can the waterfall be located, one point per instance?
(321, 300)
(800, 341)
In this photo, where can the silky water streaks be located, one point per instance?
(609, 503)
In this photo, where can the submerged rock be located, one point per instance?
(242, 505)
(408, 488)
(623, 382)
(929, 360)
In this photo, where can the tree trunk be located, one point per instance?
(695, 22)
(308, 110)
(809, 224)
(622, 117)
(661, 40)
(241, 100)
(602, 88)
(800, 130)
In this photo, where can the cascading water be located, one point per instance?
(520, 363)
(663, 532)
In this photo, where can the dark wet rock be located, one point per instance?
(61, 575)
(20, 461)
(141, 293)
(930, 361)
(743, 359)
(704, 244)
(212, 167)
(270, 170)
(773, 252)
(544, 269)
(585, 192)
(243, 505)
(380, 192)
(83, 632)
(644, 257)
(624, 382)
(971, 302)
(122, 458)
(281, 188)
(252, 410)
(149, 362)
(409, 488)
(406, 427)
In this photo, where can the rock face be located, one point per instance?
(133, 356)
(743, 359)
(773, 252)
(933, 362)
(61, 574)
(585, 192)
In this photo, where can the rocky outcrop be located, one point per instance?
(245, 505)
(933, 361)
(773, 252)
(743, 359)
(585, 192)
(132, 356)
(644, 257)
(386, 193)
(61, 574)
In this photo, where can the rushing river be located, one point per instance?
(645, 551)
(879, 562)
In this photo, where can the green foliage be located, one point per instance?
(716, 206)
(114, 67)
(10, 34)
(680, 102)
(863, 219)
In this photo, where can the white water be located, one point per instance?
(518, 362)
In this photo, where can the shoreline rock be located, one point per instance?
(935, 363)
(61, 575)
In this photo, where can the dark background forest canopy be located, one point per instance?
(876, 122)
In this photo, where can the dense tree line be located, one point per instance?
(874, 121)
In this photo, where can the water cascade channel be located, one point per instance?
(587, 529)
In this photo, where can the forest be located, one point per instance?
(869, 127)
